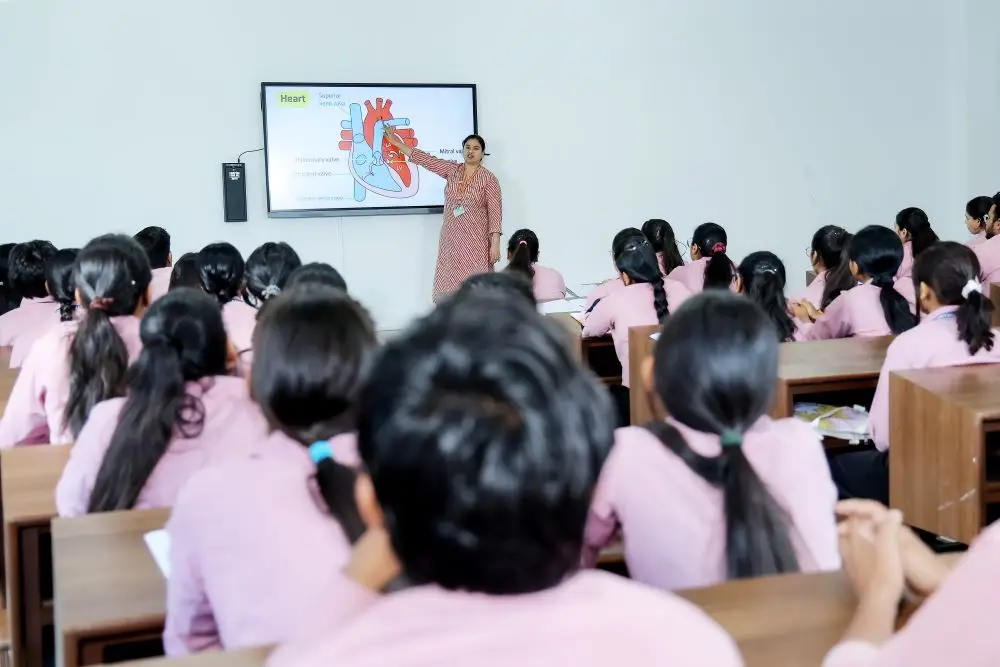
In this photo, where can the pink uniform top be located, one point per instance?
(659, 261)
(976, 239)
(813, 292)
(609, 286)
(240, 319)
(629, 307)
(906, 267)
(37, 404)
(955, 626)
(673, 521)
(24, 340)
(251, 544)
(692, 275)
(592, 618)
(160, 283)
(548, 284)
(232, 421)
(473, 212)
(856, 312)
(988, 253)
(26, 318)
(933, 343)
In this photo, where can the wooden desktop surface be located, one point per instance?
(598, 353)
(7, 378)
(938, 422)
(252, 657)
(108, 589)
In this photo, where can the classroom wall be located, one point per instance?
(983, 95)
(771, 117)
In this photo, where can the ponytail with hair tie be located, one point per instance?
(972, 286)
(718, 248)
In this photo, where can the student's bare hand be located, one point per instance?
(872, 558)
(812, 312)
(799, 311)
(373, 562)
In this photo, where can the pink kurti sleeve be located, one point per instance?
(878, 422)
(602, 522)
(25, 420)
(597, 293)
(85, 459)
(834, 323)
(600, 321)
(443, 168)
(494, 204)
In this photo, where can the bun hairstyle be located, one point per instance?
(316, 273)
(763, 277)
(830, 245)
(59, 278)
(26, 268)
(951, 271)
(720, 349)
(185, 272)
(220, 270)
(267, 270)
(313, 352)
(484, 439)
(508, 282)
(522, 248)
(915, 221)
(978, 209)
(184, 341)
(878, 252)
(660, 235)
(8, 299)
(638, 261)
(112, 278)
(712, 241)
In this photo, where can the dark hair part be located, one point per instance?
(26, 268)
(978, 209)
(878, 252)
(622, 238)
(185, 272)
(267, 271)
(509, 282)
(316, 273)
(638, 261)
(482, 142)
(112, 275)
(220, 269)
(763, 277)
(484, 438)
(915, 221)
(523, 250)
(59, 278)
(711, 240)
(313, 351)
(183, 340)
(946, 268)
(661, 236)
(721, 349)
(156, 242)
(8, 298)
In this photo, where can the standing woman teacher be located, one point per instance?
(473, 212)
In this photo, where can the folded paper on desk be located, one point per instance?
(158, 543)
(843, 422)
(560, 306)
(655, 336)
(580, 290)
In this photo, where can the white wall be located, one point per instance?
(983, 96)
(771, 117)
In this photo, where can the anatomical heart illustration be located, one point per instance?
(377, 165)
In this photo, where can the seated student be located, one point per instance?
(26, 272)
(78, 364)
(613, 284)
(156, 242)
(522, 256)
(885, 561)
(914, 230)
(8, 300)
(988, 251)
(660, 235)
(762, 280)
(646, 299)
(976, 213)
(509, 282)
(826, 255)
(710, 267)
(61, 288)
(481, 440)
(955, 332)
(253, 540)
(316, 273)
(719, 490)
(181, 413)
(184, 273)
(874, 308)
(268, 269)
(221, 269)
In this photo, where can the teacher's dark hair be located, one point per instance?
(183, 340)
(522, 252)
(59, 279)
(715, 367)
(482, 142)
(712, 242)
(763, 276)
(508, 282)
(878, 252)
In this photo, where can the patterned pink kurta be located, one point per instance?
(464, 246)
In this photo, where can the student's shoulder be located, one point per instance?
(791, 432)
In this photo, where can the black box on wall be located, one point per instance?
(234, 191)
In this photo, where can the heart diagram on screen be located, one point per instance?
(376, 165)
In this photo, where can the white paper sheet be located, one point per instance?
(655, 336)
(580, 290)
(158, 543)
(561, 306)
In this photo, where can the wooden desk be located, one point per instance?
(995, 298)
(640, 347)
(7, 378)
(939, 420)
(810, 368)
(109, 593)
(251, 657)
(598, 353)
(573, 331)
(28, 477)
(5, 356)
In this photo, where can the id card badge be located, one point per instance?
(459, 210)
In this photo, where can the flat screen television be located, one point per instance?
(324, 153)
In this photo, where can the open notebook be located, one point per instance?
(561, 306)
(831, 421)
(158, 543)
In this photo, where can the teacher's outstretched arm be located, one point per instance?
(443, 168)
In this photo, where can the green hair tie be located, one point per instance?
(732, 439)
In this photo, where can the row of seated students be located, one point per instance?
(451, 483)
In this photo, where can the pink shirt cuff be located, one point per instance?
(851, 654)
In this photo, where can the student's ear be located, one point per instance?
(855, 271)
(739, 284)
(170, 259)
(924, 296)
(695, 253)
(903, 234)
(368, 507)
(625, 278)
